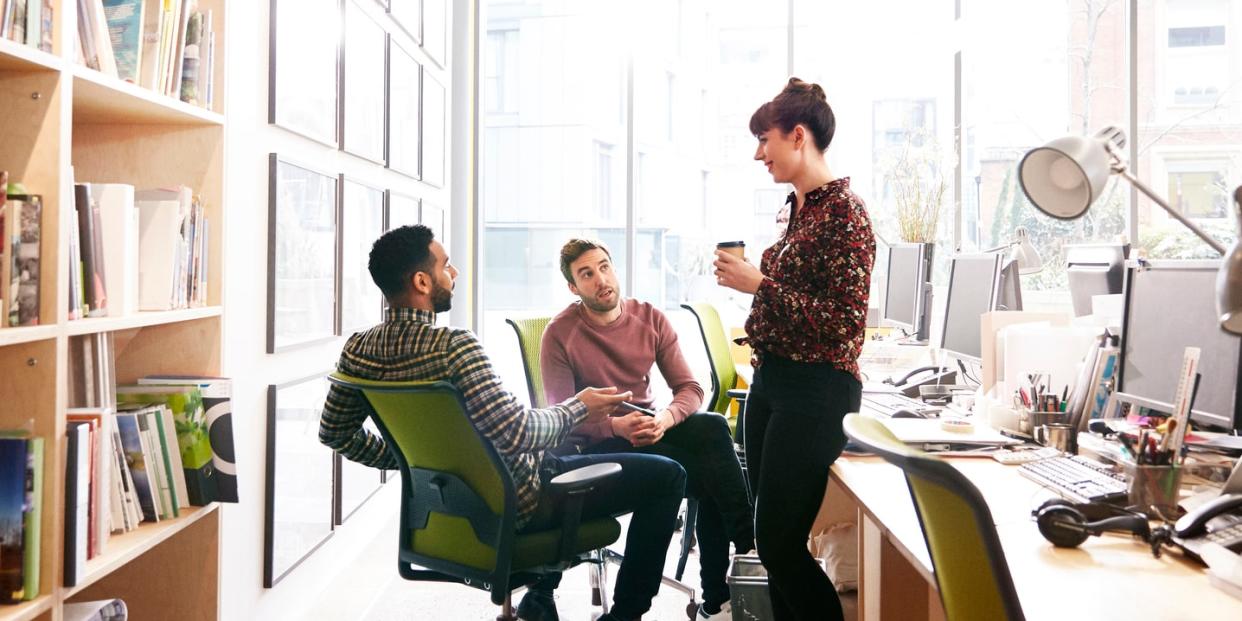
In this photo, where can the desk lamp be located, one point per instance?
(1022, 251)
(1063, 178)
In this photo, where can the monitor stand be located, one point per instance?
(922, 322)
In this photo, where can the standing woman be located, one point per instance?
(806, 331)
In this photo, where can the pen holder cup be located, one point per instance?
(1154, 490)
(1039, 419)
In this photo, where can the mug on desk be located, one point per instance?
(1060, 436)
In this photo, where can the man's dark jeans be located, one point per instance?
(703, 446)
(649, 486)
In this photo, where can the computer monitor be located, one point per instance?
(974, 282)
(1009, 296)
(1094, 269)
(1169, 306)
(907, 302)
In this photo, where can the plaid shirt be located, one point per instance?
(812, 307)
(409, 346)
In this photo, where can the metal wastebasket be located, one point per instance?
(748, 588)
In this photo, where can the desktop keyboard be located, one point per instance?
(1076, 478)
(885, 403)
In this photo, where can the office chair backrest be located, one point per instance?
(724, 373)
(971, 572)
(427, 430)
(530, 340)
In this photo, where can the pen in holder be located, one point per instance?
(1154, 489)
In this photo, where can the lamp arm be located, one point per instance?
(1211, 241)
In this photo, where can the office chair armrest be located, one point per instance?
(738, 393)
(583, 480)
(575, 484)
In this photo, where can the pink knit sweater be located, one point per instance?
(577, 353)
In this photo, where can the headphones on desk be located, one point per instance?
(1067, 525)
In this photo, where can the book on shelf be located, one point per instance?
(217, 393)
(137, 459)
(34, 515)
(20, 230)
(21, 502)
(102, 480)
(15, 20)
(92, 371)
(94, 38)
(12, 519)
(166, 46)
(172, 84)
(125, 34)
(119, 219)
(161, 485)
(77, 501)
(126, 512)
(90, 242)
(193, 439)
(77, 291)
(149, 55)
(28, 22)
(172, 251)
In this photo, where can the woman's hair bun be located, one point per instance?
(799, 86)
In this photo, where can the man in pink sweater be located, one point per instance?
(605, 340)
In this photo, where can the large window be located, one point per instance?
(940, 96)
(1189, 121)
(1062, 72)
(556, 148)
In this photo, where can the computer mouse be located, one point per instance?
(906, 414)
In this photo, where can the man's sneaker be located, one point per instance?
(537, 606)
(725, 614)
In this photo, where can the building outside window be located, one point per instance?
(1189, 141)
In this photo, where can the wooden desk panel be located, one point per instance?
(1109, 577)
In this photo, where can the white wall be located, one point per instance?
(249, 140)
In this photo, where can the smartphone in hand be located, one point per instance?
(631, 406)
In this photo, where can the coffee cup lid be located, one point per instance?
(731, 244)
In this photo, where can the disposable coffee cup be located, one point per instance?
(735, 248)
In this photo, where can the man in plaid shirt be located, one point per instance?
(413, 271)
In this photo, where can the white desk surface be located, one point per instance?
(1108, 577)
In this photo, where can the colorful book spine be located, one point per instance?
(33, 517)
(125, 32)
(186, 403)
(22, 231)
(12, 518)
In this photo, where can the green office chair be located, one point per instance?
(724, 382)
(724, 372)
(971, 572)
(530, 341)
(459, 506)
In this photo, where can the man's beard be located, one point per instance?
(602, 307)
(441, 298)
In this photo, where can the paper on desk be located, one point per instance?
(929, 431)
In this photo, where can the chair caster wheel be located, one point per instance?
(692, 610)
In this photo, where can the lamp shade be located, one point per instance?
(1063, 177)
(1229, 278)
(1025, 253)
